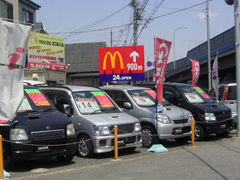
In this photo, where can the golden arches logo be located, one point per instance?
(113, 59)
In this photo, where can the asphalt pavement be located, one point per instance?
(212, 159)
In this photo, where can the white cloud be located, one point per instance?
(212, 15)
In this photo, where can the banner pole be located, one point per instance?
(1, 157)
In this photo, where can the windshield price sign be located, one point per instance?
(124, 63)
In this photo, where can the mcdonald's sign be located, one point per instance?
(124, 63)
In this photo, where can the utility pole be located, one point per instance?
(135, 21)
(208, 47)
(111, 38)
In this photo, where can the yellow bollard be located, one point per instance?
(1, 157)
(116, 141)
(193, 132)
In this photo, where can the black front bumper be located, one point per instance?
(30, 151)
(217, 126)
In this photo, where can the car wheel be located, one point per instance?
(223, 134)
(84, 146)
(7, 162)
(182, 140)
(199, 133)
(66, 159)
(148, 136)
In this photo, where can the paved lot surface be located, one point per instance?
(214, 158)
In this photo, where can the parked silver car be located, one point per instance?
(140, 102)
(94, 116)
(227, 97)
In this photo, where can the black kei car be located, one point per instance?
(37, 131)
(210, 117)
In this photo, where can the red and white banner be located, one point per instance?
(195, 71)
(162, 51)
(215, 76)
(13, 47)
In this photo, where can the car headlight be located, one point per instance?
(101, 130)
(190, 117)
(210, 117)
(163, 119)
(137, 127)
(18, 134)
(70, 130)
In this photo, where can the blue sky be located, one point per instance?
(93, 16)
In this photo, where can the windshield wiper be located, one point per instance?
(96, 112)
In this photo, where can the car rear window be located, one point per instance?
(231, 94)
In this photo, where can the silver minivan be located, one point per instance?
(94, 115)
(140, 102)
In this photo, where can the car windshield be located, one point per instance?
(195, 94)
(145, 97)
(94, 102)
(34, 100)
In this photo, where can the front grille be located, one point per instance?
(223, 115)
(47, 135)
(180, 121)
(123, 141)
(123, 129)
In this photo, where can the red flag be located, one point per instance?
(195, 71)
(162, 52)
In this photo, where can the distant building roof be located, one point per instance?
(83, 57)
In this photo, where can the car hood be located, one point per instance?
(42, 121)
(211, 107)
(111, 118)
(174, 112)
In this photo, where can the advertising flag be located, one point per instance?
(215, 76)
(195, 71)
(13, 47)
(162, 51)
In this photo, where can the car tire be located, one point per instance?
(148, 136)
(7, 162)
(223, 134)
(84, 146)
(182, 140)
(199, 133)
(66, 159)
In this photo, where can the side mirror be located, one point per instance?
(67, 110)
(179, 101)
(127, 105)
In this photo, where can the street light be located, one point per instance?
(174, 44)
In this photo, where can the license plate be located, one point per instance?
(223, 126)
(43, 148)
(121, 143)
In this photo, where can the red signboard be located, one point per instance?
(124, 63)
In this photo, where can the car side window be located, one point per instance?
(170, 94)
(119, 97)
(60, 99)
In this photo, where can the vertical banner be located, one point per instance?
(195, 71)
(13, 47)
(162, 51)
(215, 78)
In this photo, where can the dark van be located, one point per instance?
(210, 117)
(38, 131)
